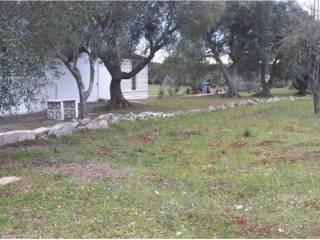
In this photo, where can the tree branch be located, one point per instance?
(154, 47)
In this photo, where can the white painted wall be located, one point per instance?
(65, 86)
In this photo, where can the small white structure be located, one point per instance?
(64, 85)
(61, 109)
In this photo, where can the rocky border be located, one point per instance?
(104, 120)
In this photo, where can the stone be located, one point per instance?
(62, 129)
(112, 118)
(96, 124)
(212, 108)
(83, 122)
(169, 115)
(16, 136)
(195, 110)
(10, 179)
(251, 102)
(40, 132)
(231, 105)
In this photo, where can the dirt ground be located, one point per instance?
(32, 121)
(25, 121)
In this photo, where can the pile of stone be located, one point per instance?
(58, 130)
(104, 120)
(255, 101)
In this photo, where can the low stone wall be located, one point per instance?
(104, 120)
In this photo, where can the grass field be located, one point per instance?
(154, 90)
(184, 102)
(249, 172)
(173, 103)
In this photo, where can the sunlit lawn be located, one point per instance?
(248, 172)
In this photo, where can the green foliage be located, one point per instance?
(173, 90)
(22, 72)
(161, 91)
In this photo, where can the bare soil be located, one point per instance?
(89, 172)
(28, 121)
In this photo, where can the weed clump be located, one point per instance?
(248, 133)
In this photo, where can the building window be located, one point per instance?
(134, 83)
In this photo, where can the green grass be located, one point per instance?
(172, 103)
(176, 103)
(185, 177)
(154, 90)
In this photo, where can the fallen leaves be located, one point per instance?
(216, 143)
(158, 177)
(213, 155)
(267, 143)
(239, 143)
(169, 148)
(103, 151)
(293, 158)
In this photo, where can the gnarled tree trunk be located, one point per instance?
(302, 86)
(83, 94)
(316, 101)
(116, 98)
(113, 64)
(315, 84)
(265, 92)
(82, 98)
(231, 92)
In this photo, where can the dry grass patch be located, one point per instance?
(307, 156)
(239, 143)
(89, 172)
(291, 128)
(216, 143)
(169, 148)
(260, 230)
(267, 143)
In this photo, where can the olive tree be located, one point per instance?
(60, 32)
(21, 71)
(126, 27)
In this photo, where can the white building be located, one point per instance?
(64, 85)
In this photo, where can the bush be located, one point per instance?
(247, 133)
(161, 91)
(173, 90)
(188, 91)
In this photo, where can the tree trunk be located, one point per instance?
(112, 62)
(82, 98)
(265, 92)
(117, 100)
(315, 84)
(302, 86)
(316, 101)
(83, 95)
(82, 105)
(231, 92)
